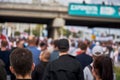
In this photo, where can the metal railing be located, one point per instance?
(37, 2)
(51, 2)
(33, 2)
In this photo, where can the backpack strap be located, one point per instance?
(90, 68)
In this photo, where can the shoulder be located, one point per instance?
(88, 56)
(80, 56)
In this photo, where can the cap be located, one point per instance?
(97, 51)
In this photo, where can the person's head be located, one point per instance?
(82, 46)
(43, 46)
(97, 51)
(21, 62)
(63, 45)
(4, 43)
(31, 40)
(55, 44)
(44, 57)
(73, 44)
(20, 44)
(102, 68)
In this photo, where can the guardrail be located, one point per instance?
(36, 2)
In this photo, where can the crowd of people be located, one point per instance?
(61, 59)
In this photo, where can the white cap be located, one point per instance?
(97, 43)
(98, 49)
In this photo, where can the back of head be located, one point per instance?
(42, 44)
(97, 51)
(103, 67)
(55, 43)
(4, 43)
(82, 46)
(21, 61)
(63, 45)
(44, 57)
(20, 44)
(31, 40)
(73, 44)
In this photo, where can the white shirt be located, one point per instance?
(87, 73)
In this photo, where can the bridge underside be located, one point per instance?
(48, 21)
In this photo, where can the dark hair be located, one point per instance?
(37, 41)
(103, 67)
(73, 44)
(21, 59)
(55, 43)
(63, 45)
(4, 43)
(82, 46)
(52, 42)
(43, 44)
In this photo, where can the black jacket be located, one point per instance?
(66, 67)
(38, 72)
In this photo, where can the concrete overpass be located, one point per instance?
(45, 14)
(41, 13)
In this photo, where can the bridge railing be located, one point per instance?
(36, 2)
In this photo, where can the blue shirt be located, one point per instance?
(35, 53)
(54, 55)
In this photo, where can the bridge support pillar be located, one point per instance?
(53, 29)
(57, 24)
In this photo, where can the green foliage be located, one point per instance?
(0, 29)
(38, 30)
(36, 33)
(66, 32)
(117, 71)
(27, 31)
(79, 34)
(17, 33)
(75, 35)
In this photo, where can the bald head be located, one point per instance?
(31, 40)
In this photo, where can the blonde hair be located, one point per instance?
(45, 56)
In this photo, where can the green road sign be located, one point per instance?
(93, 10)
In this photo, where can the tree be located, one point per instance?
(17, 33)
(0, 29)
(65, 32)
(38, 30)
(27, 31)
